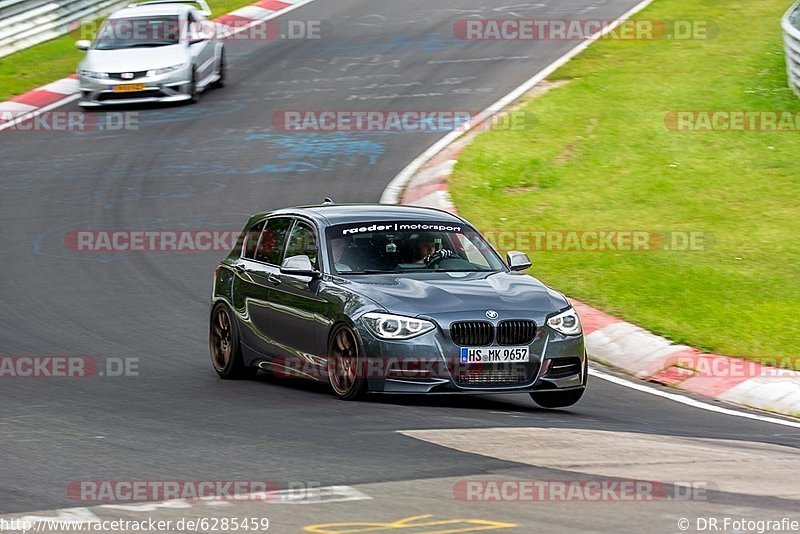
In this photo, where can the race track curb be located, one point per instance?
(60, 92)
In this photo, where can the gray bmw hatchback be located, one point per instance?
(391, 299)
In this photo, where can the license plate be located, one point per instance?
(129, 87)
(495, 355)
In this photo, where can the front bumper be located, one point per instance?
(430, 364)
(171, 87)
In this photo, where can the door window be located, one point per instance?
(303, 241)
(273, 239)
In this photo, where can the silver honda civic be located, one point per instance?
(157, 51)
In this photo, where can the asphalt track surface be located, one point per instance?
(208, 166)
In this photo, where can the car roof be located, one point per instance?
(149, 10)
(332, 214)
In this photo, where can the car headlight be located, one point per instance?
(388, 326)
(167, 70)
(93, 74)
(566, 322)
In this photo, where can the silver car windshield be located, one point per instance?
(406, 247)
(145, 32)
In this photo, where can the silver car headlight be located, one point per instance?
(566, 322)
(388, 326)
(93, 74)
(167, 70)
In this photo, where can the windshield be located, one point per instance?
(404, 247)
(138, 32)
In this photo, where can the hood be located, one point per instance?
(512, 295)
(135, 59)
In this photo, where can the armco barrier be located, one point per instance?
(24, 23)
(791, 41)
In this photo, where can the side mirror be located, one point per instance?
(83, 44)
(517, 261)
(299, 266)
(205, 9)
(202, 31)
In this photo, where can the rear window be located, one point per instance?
(249, 240)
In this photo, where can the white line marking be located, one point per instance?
(394, 191)
(321, 495)
(688, 401)
(54, 105)
(315, 495)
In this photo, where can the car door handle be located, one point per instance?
(274, 279)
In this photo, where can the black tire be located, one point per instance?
(345, 364)
(557, 399)
(223, 69)
(193, 95)
(223, 341)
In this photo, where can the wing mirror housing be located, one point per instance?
(299, 266)
(205, 9)
(518, 261)
(83, 44)
(202, 31)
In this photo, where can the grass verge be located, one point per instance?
(601, 158)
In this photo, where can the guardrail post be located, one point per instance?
(791, 42)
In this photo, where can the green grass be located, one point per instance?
(601, 158)
(53, 60)
(38, 65)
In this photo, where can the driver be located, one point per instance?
(338, 247)
(425, 246)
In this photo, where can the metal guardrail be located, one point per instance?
(791, 42)
(24, 23)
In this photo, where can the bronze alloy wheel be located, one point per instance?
(345, 364)
(223, 341)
